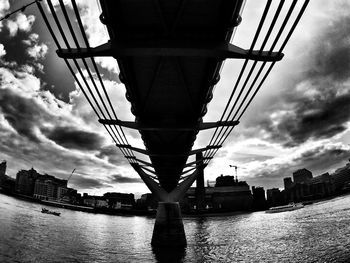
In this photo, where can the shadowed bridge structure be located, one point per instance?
(170, 54)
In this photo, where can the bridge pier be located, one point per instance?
(168, 228)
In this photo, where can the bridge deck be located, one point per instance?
(169, 90)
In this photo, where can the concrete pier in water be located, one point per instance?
(168, 228)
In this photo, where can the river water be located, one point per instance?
(317, 233)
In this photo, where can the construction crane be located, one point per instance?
(69, 190)
(70, 175)
(236, 167)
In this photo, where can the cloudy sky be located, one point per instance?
(300, 118)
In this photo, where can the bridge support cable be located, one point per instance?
(224, 50)
(91, 93)
(95, 66)
(170, 62)
(257, 33)
(84, 61)
(271, 66)
(280, 50)
(220, 141)
(111, 132)
(69, 66)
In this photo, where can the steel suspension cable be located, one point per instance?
(88, 71)
(279, 51)
(98, 74)
(75, 62)
(262, 20)
(302, 10)
(267, 36)
(67, 63)
(271, 49)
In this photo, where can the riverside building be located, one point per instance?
(228, 194)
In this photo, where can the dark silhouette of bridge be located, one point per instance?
(170, 54)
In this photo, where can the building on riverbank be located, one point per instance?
(259, 199)
(7, 183)
(228, 194)
(25, 182)
(120, 200)
(305, 187)
(48, 187)
(341, 177)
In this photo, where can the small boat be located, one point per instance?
(47, 211)
(284, 208)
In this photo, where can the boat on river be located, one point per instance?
(47, 211)
(284, 208)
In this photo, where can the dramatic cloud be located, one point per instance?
(4, 7)
(73, 138)
(96, 32)
(297, 120)
(118, 178)
(20, 23)
(35, 50)
(300, 118)
(21, 113)
(39, 130)
(318, 105)
(2, 50)
(317, 159)
(112, 154)
(81, 182)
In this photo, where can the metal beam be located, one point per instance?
(144, 162)
(146, 152)
(189, 170)
(148, 127)
(127, 146)
(170, 49)
(150, 171)
(152, 185)
(198, 161)
(210, 147)
(151, 165)
(175, 195)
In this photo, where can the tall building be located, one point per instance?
(48, 187)
(25, 181)
(259, 199)
(39, 186)
(120, 200)
(7, 183)
(274, 197)
(341, 177)
(228, 194)
(3, 168)
(2, 172)
(288, 183)
(147, 201)
(302, 176)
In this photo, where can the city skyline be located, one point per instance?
(299, 119)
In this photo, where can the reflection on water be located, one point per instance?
(170, 255)
(316, 233)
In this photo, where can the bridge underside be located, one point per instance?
(169, 54)
(168, 90)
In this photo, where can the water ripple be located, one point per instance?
(316, 233)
